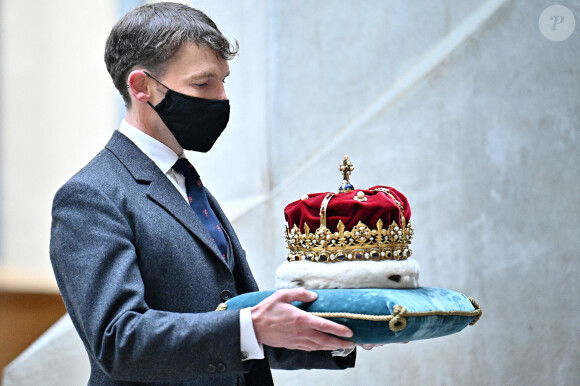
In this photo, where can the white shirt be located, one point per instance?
(165, 158)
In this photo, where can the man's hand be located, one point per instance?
(278, 323)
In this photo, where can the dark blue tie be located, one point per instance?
(198, 202)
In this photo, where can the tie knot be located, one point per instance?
(184, 167)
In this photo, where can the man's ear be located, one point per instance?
(139, 86)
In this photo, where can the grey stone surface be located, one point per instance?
(331, 59)
(57, 358)
(247, 167)
(305, 69)
(486, 148)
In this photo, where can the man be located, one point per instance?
(143, 253)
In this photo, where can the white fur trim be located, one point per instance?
(349, 274)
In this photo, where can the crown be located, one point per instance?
(350, 224)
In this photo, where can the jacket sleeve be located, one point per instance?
(284, 359)
(96, 264)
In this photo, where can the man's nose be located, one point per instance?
(221, 94)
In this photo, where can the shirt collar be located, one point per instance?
(159, 153)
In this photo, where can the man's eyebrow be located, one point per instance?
(205, 74)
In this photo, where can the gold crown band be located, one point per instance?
(360, 243)
(323, 207)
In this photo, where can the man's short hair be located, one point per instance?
(150, 35)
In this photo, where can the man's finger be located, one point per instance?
(330, 327)
(319, 341)
(295, 294)
(329, 342)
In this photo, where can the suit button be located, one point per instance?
(221, 367)
(211, 368)
(226, 295)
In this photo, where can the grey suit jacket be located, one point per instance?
(141, 278)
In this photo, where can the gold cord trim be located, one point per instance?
(477, 310)
(398, 321)
(222, 307)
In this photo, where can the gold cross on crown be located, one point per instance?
(346, 169)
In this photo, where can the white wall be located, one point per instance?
(57, 111)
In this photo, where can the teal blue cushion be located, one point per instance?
(386, 315)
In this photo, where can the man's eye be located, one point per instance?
(201, 84)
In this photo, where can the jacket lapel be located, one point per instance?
(164, 193)
(160, 190)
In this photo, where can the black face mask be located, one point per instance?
(196, 123)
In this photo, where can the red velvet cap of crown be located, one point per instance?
(344, 207)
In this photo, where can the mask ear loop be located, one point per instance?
(152, 77)
(155, 79)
